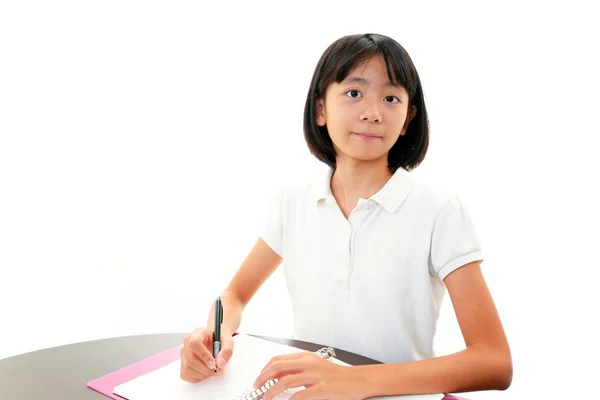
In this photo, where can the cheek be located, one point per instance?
(338, 121)
(400, 120)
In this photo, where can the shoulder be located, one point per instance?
(431, 198)
(439, 208)
(307, 188)
(296, 193)
(448, 215)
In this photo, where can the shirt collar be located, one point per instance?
(390, 196)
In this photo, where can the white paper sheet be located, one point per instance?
(250, 355)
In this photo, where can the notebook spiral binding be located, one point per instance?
(256, 394)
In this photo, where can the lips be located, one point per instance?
(367, 135)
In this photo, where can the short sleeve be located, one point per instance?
(454, 240)
(271, 231)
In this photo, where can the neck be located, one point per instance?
(357, 179)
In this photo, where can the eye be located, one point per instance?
(355, 94)
(392, 99)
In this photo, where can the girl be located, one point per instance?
(368, 251)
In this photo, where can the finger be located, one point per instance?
(277, 370)
(288, 382)
(193, 366)
(207, 340)
(290, 356)
(200, 346)
(311, 393)
(192, 376)
(285, 357)
(185, 372)
(226, 352)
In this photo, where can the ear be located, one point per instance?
(410, 115)
(320, 111)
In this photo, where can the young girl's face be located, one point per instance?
(365, 113)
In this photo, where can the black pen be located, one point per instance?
(217, 329)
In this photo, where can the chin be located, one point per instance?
(366, 157)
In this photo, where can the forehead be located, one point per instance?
(372, 72)
(372, 65)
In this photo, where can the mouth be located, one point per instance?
(367, 135)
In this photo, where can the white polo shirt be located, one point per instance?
(371, 284)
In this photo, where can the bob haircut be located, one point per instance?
(338, 60)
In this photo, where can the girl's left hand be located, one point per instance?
(322, 379)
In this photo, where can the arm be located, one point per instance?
(485, 364)
(258, 266)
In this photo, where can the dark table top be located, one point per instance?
(62, 372)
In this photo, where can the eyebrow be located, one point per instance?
(357, 79)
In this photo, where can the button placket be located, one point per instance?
(356, 220)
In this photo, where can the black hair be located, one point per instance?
(338, 60)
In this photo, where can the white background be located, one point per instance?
(140, 140)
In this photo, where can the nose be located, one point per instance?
(370, 112)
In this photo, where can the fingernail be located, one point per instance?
(221, 362)
(211, 364)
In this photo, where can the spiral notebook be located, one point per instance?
(250, 356)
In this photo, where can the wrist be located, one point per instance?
(364, 385)
(227, 332)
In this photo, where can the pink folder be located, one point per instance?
(107, 383)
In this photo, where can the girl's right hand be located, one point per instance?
(197, 361)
